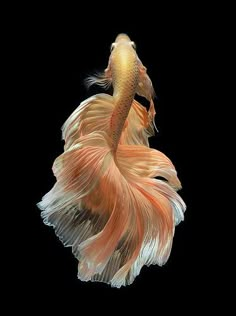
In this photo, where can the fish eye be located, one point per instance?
(112, 46)
(133, 45)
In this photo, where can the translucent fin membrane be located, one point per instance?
(108, 209)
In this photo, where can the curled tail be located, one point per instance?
(109, 208)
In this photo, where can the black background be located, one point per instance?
(57, 51)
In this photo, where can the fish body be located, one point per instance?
(124, 71)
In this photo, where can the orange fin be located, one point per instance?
(94, 114)
(91, 115)
(148, 163)
(102, 79)
(145, 87)
(139, 127)
(110, 210)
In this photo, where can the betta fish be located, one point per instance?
(115, 199)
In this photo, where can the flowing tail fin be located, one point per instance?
(110, 209)
(94, 114)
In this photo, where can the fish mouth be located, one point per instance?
(122, 37)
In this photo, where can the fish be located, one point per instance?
(115, 200)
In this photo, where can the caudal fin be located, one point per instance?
(110, 209)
